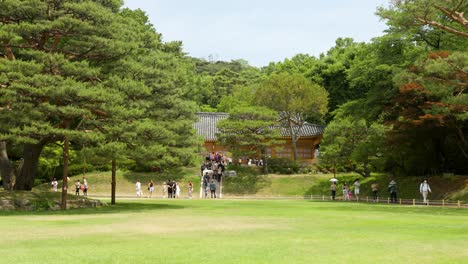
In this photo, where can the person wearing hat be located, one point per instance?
(424, 188)
(392, 188)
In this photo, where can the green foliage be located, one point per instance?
(216, 80)
(248, 131)
(429, 116)
(437, 23)
(282, 166)
(295, 98)
(247, 181)
(353, 143)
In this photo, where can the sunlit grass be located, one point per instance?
(229, 231)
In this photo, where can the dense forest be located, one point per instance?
(91, 86)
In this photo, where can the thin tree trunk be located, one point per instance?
(66, 157)
(6, 168)
(113, 183)
(294, 145)
(26, 176)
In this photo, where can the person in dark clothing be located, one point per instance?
(174, 189)
(169, 189)
(392, 188)
(213, 189)
(333, 190)
(206, 179)
(202, 168)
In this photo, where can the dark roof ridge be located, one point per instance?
(213, 113)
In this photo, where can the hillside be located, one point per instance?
(443, 187)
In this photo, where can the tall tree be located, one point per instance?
(429, 115)
(50, 81)
(446, 15)
(249, 130)
(296, 99)
(354, 144)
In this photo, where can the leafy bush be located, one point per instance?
(283, 166)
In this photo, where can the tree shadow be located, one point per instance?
(44, 199)
(388, 208)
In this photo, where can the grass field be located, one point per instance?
(454, 187)
(236, 231)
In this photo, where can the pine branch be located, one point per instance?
(443, 27)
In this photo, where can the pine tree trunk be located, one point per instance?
(66, 157)
(27, 175)
(7, 171)
(294, 145)
(113, 183)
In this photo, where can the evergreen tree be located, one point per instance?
(296, 99)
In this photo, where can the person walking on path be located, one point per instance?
(164, 190)
(138, 188)
(375, 191)
(213, 189)
(150, 188)
(174, 189)
(177, 193)
(333, 190)
(77, 187)
(424, 188)
(169, 189)
(392, 189)
(190, 189)
(54, 184)
(357, 185)
(85, 186)
(345, 191)
(206, 183)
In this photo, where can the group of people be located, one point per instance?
(79, 186)
(424, 189)
(347, 193)
(172, 188)
(209, 184)
(251, 162)
(217, 157)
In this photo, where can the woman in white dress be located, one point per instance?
(177, 190)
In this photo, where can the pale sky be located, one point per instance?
(261, 31)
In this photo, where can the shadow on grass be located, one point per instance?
(369, 208)
(121, 207)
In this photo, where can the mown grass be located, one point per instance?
(255, 184)
(230, 231)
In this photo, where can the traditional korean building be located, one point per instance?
(310, 137)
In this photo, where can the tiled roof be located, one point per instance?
(206, 126)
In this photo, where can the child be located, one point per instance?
(77, 187)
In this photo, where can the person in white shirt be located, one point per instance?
(424, 188)
(85, 189)
(357, 185)
(54, 184)
(138, 188)
(177, 191)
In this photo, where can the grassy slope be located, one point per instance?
(224, 231)
(455, 187)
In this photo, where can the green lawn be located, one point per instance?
(453, 188)
(236, 231)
